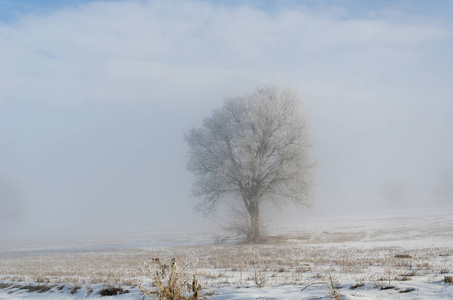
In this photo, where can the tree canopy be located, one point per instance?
(255, 147)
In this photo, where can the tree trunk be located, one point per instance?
(255, 223)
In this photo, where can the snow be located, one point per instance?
(351, 248)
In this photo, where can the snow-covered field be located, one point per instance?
(405, 254)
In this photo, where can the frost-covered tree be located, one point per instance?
(255, 148)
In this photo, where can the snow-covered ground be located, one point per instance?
(404, 254)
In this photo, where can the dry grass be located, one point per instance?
(275, 264)
(332, 287)
(284, 260)
(170, 281)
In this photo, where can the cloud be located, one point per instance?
(120, 51)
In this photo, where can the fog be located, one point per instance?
(96, 96)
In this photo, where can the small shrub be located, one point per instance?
(260, 278)
(170, 281)
(448, 279)
(331, 287)
(389, 274)
(259, 275)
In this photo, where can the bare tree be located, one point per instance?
(255, 148)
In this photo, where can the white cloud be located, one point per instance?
(115, 51)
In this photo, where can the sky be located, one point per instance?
(96, 96)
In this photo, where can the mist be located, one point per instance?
(96, 96)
